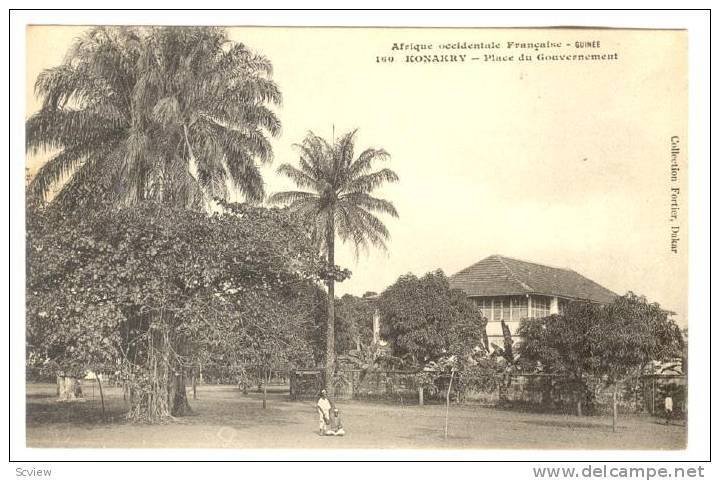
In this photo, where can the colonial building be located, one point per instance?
(510, 290)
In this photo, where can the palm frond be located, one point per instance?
(365, 160)
(349, 228)
(290, 197)
(167, 111)
(364, 225)
(311, 161)
(299, 177)
(54, 129)
(92, 182)
(370, 203)
(346, 148)
(66, 84)
(241, 114)
(369, 182)
(239, 59)
(321, 153)
(54, 170)
(246, 177)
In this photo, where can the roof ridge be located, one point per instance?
(587, 279)
(535, 263)
(513, 275)
(470, 266)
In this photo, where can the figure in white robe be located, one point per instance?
(323, 408)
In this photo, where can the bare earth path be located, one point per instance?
(225, 418)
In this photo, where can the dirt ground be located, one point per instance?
(225, 418)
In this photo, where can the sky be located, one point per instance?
(560, 163)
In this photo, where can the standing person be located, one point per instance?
(668, 408)
(323, 408)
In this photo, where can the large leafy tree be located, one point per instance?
(337, 201)
(591, 341)
(425, 320)
(151, 289)
(636, 333)
(433, 326)
(564, 344)
(170, 114)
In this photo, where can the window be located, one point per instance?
(518, 307)
(485, 306)
(512, 308)
(540, 307)
(498, 311)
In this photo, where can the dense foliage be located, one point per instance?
(590, 339)
(424, 320)
(590, 342)
(353, 323)
(151, 290)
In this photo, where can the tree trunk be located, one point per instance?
(102, 398)
(68, 388)
(179, 405)
(194, 385)
(421, 399)
(330, 341)
(615, 409)
(447, 402)
(267, 380)
(579, 397)
(159, 392)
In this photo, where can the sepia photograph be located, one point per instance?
(356, 238)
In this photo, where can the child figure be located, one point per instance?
(336, 426)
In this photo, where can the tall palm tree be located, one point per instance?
(174, 114)
(337, 201)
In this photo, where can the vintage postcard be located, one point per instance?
(326, 238)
